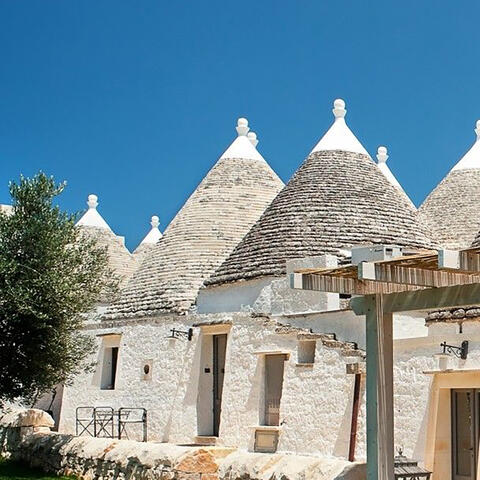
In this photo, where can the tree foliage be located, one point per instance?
(50, 274)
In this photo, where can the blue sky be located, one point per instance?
(135, 100)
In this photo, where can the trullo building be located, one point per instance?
(450, 209)
(209, 337)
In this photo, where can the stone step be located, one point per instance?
(205, 440)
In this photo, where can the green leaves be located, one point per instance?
(50, 273)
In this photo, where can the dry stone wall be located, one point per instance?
(25, 436)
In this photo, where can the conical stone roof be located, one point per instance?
(222, 209)
(451, 209)
(338, 198)
(93, 224)
(382, 157)
(151, 238)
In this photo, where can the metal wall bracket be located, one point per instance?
(174, 333)
(459, 352)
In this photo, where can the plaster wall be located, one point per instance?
(314, 420)
(234, 297)
(349, 327)
(422, 396)
(270, 295)
(170, 395)
(315, 410)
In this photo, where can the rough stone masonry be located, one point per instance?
(25, 435)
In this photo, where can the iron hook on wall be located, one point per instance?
(174, 333)
(459, 352)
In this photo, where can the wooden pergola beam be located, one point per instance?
(465, 260)
(429, 299)
(420, 277)
(344, 285)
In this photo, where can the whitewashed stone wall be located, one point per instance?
(315, 410)
(316, 401)
(415, 368)
(25, 436)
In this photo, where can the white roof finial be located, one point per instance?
(153, 236)
(243, 146)
(339, 110)
(382, 156)
(242, 126)
(155, 221)
(92, 201)
(252, 136)
(471, 160)
(91, 218)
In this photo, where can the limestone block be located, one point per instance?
(31, 417)
(209, 476)
(200, 461)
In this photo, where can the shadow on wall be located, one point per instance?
(420, 444)
(190, 394)
(342, 443)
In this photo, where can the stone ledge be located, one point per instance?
(89, 458)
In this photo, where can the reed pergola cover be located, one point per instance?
(414, 282)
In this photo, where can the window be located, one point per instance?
(306, 351)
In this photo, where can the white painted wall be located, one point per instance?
(172, 396)
(317, 401)
(270, 295)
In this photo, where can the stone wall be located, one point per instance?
(25, 436)
(316, 404)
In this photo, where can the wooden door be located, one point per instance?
(219, 351)
(465, 430)
(274, 365)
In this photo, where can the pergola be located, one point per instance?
(424, 280)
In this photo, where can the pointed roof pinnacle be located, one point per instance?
(242, 126)
(91, 218)
(382, 157)
(92, 201)
(244, 145)
(252, 136)
(472, 158)
(339, 110)
(154, 235)
(155, 222)
(339, 136)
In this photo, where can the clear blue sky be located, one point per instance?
(135, 100)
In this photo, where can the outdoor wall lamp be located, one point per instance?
(459, 352)
(174, 333)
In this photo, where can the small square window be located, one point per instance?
(306, 351)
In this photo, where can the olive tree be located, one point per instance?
(50, 276)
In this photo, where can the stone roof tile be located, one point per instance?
(450, 211)
(217, 215)
(337, 199)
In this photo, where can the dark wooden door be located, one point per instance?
(274, 365)
(465, 431)
(219, 351)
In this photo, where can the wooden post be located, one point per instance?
(354, 423)
(380, 451)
